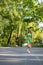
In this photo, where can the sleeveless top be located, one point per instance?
(29, 37)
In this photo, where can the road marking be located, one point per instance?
(21, 54)
(19, 59)
(12, 59)
(36, 59)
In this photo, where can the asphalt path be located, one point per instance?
(19, 56)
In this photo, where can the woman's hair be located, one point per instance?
(29, 30)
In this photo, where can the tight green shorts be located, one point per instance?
(29, 40)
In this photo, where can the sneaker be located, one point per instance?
(28, 51)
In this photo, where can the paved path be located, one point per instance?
(19, 56)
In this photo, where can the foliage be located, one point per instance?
(15, 17)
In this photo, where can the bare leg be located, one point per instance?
(29, 47)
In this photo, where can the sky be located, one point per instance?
(40, 24)
(40, 1)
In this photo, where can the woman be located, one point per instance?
(29, 40)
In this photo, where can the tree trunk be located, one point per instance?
(8, 42)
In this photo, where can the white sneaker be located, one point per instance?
(28, 51)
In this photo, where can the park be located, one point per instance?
(16, 17)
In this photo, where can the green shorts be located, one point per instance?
(29, 39)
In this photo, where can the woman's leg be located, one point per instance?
(29, 47)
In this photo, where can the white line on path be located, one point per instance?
(21, 54)
(19, 59)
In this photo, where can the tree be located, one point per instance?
(15, 15)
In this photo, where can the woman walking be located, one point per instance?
(29, 40)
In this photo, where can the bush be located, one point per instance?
(37, 45)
